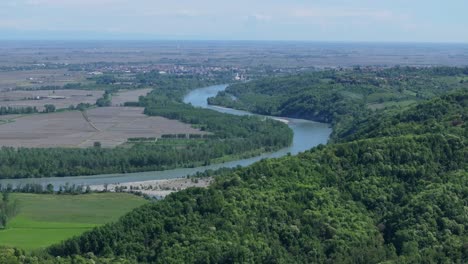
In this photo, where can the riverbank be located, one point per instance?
(155, 188)
(307, 134)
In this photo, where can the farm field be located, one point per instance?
(64, 98)
(128, 96)
(67, 97)
(111, 126)
(41, 77)
(45, 219)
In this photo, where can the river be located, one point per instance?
(307, 134)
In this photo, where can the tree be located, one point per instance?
(102, 102)
(6, 197)
(82, 106)
(50, 188)
(3, 219)
(49, 108)
(105, 100)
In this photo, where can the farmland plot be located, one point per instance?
(38, 98)
(111, 126)
(122, 97)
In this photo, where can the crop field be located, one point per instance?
(128, 96)
(111, 126)
(60, 98)
(47, 219)
(35, 78)
(64, 98)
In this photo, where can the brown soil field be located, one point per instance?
(27, 98)
(128, 96)
(111, 126)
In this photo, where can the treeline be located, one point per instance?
(60, 162)
(173, 86)
(391, 197)
(341, 97)
(187, 136)
(80, 106)
(64, 189)
(8, 209)
(256, 130)
(47, 189)
(8, 110)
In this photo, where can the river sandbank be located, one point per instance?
(156, 188)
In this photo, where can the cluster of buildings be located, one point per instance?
(238, 73)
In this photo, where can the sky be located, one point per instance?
(285, 20)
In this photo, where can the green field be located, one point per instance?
(391, 104)
(47, 219)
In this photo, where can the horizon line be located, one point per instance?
(229, 40)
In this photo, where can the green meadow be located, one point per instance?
(45, 219)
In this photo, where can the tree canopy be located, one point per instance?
(395, 195)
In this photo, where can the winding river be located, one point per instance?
(307, 134)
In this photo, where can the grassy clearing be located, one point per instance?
(47, 219)
(391, 104)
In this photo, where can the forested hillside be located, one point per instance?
(395, 193)
(445, 114)
(341, 97)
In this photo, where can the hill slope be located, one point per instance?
(387, 193)
(341, 97)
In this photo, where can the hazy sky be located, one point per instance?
(316, 20)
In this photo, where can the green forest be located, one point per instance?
(392, 187)
(342, 97)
